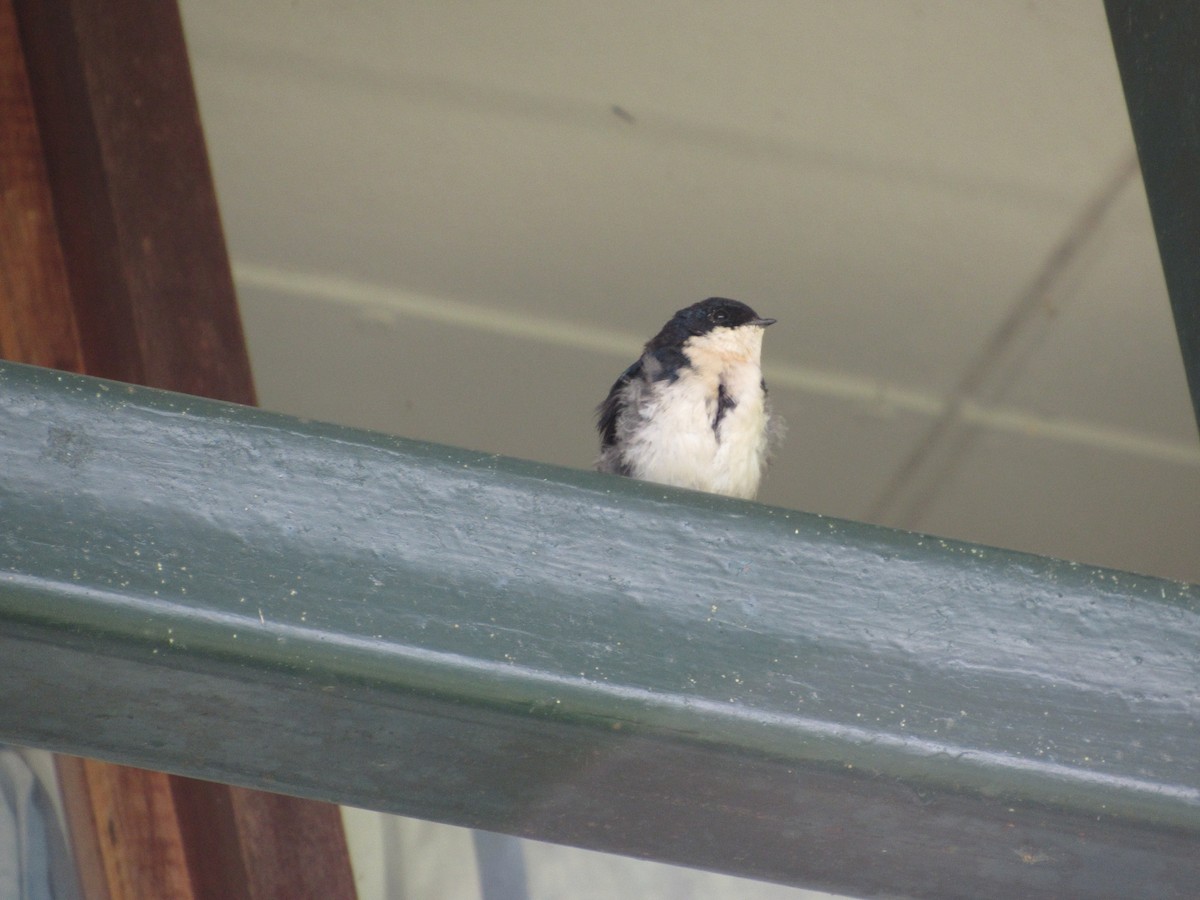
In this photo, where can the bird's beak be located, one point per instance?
(763, 323)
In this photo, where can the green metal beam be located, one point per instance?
(1157, 43)
(225, 593)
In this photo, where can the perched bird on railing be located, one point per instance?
(692, 411)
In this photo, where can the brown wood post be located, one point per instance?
(112, 263)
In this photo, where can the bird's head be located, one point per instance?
(718, 312)
(717, 320)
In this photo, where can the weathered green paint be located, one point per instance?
(1158, 52)
(230, 594)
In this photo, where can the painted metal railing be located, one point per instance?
(217, 591)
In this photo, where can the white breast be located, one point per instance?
(674, 441)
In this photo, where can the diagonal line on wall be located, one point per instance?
(916, 483)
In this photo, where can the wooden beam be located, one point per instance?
(112, 262)
(136, 210)
(37, 322)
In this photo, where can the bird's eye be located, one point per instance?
(719, 315)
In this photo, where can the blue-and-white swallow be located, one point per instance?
(692, 411)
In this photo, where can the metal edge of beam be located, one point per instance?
(234, 595)
(1157, 46)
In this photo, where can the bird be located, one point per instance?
(692, 411)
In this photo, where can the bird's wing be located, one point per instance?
(608, 420)
(609, 412)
